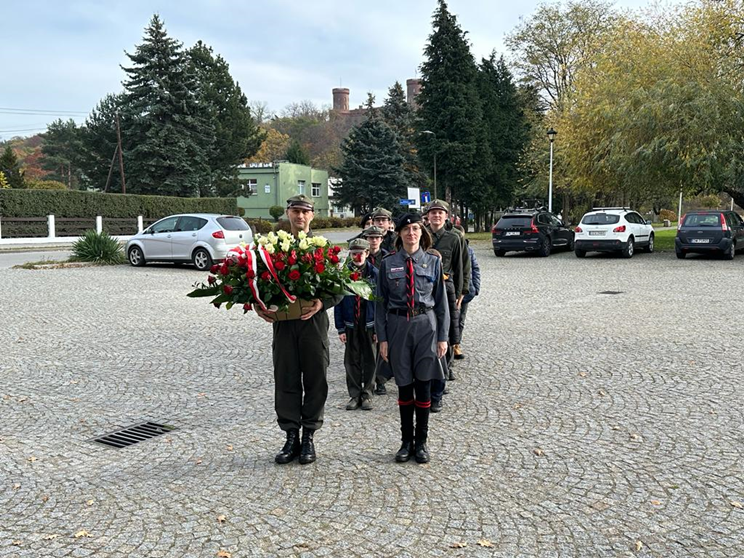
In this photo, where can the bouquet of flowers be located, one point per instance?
(279, 270)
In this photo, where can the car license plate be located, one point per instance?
(596, 233)
(512, 234)
(701, 240)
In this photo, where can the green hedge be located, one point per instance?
(72, 203)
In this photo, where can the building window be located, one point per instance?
(301, 186)
(316, 190)
(251, 188)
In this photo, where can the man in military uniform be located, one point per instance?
(466, 273)
(301, 357)
(383, 218)
(450, 246)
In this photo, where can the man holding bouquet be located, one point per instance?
(301, 358)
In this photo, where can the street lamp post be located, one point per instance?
(435, 164)
(551, 136)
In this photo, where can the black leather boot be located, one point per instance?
(291, 448)
(422, 433)
(307, 452)
(406, 429)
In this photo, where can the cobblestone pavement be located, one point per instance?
(581, 424)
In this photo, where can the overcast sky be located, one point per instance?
(63, 56)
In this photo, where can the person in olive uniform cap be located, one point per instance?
(301, 357)
(383, 218)
(412, 321)
(374, 235)
(450, 246)
(355, 323)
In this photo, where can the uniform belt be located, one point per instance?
(417, 311)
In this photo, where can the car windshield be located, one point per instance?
(514, 221)
(702, 220)
(232, 223)
(600, 219)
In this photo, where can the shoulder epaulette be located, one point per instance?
(388, 255)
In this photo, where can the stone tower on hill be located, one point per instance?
(341, 99)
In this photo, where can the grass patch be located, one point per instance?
(664, 240)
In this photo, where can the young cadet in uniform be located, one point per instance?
(300, 351)
(449, 244)
(457, 228)
(473, 291)
(355, 323)
(383, 218)
(373, 235)
(411, 321)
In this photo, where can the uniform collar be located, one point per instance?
(417, 256)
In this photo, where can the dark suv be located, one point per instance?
(530, 230)
(710, 232)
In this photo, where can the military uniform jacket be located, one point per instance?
(376, 259)
(449, 244)
(428, 290)
(344, 311)
(388, 241)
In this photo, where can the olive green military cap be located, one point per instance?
(358, 244)
(381, 212)
(438, 204)
(373, 231)
(301, 201)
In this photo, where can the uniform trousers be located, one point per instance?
(301, 357)
(359, 361)
(463, 316)
(454, 328)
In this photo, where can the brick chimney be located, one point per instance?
(341, 99)
(413, 88)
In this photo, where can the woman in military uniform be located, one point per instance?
(412, 324)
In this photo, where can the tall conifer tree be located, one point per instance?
(400, 116)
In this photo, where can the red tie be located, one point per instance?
(357, 309)
(409, 286)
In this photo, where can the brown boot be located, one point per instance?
(458, 352)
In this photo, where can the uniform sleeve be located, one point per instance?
(465, 265)
(381, 304)
(441, 306)
(475, 271)
(331, 301)
(457, 268)
(338, 318)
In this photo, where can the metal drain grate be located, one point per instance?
(610, 292)
(134, 434)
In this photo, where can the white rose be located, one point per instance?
(320, 241)
(262, 240)
(270, 248)
(304, 244)
(285, 245)
(302, 235)
(272, 238)
(283, 235)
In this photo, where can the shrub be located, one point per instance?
(98, 248)
(276, 211)
(260, 226)
(34, 184)
(667, 214)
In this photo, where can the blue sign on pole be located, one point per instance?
(425, 197)
(407, 202)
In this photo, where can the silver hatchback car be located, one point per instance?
(200, 238)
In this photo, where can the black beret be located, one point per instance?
(407, 219)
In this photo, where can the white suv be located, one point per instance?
(613, 229)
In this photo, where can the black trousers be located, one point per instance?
(359, 361)
(454, 328)
(301, 358)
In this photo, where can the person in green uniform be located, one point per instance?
(383, 218)
(301, 357)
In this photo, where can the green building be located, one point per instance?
(268, 184)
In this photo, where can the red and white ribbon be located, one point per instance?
(266, 257)
(253, 281)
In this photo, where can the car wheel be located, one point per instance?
(500, 253)
(731, 253)
(545, 247)
(571, 244)
(650, 247)
(629, 249)
(202, 260)
(680, 255)
(580, 253)
(136, 257)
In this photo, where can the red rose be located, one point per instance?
(243, 261)
(334, 258)
(228, 289)
(211, 279)
(214, 269)
(318, 255)
(224, 269)
(319, 268)
(280, 265)
(249, 274)
(336, 249)
(355, 276)
(266, 276)
(294, 275)
(308, 258)
(292, 258)
(247, 307)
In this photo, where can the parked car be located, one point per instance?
(200, 238)
(530, 230)
(613, 229)
(710, 232)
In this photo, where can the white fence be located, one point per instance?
(52, 238)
